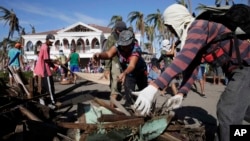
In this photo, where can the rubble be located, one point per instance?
(23, 118)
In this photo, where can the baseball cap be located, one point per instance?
(126, 37)
(120, 25)
(166, 45)
(18, 45)
(50, 37)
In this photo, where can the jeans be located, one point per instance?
(131, 81)
(233, 105)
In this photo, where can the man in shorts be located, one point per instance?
(15, 60)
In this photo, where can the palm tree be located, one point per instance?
(3, 53)
(10, 17)
(33, 30)
(114, 19)
(139, 26)
(187, 5)
(22, 31)
(150, 33)
(157, 20)
(190, 6)
(200, 7)
(218, 2)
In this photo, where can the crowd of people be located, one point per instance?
(190, 64)
(44, 67)
(233, 105)
(129, 71)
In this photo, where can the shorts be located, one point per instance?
(74, 68)
(64, 70)
(201, 72)
(15, 68)
(218, 71)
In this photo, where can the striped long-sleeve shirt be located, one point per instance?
(199, 34)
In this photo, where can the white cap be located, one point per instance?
(166, 45)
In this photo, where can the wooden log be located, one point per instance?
(113, 118)
(80, 113)
(92, 127)
(19, 129)
(29, 114)
(18, 80)
(118, 104)
(102, 103)
(167, 137)
(39, 85)
(31, 86)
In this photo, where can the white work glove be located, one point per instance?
(145, 98)
(174, 102)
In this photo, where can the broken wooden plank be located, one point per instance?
(28, 114)
(119, 105)
(18, 80)
(80, 113)
(31, 86)
(113, 118)
(167, 137)
(102, 103)
(92, 127)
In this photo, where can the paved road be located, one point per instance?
(193, 99)
(195, 106)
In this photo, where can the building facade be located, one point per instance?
(86, 38)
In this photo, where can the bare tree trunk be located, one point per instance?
(190, 6)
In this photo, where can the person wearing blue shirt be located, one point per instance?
(14, 60)
(154, 71)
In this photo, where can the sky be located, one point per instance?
(46, 15)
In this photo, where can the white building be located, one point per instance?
(88, 39)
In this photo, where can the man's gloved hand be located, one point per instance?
(145, 98)
(174, 102)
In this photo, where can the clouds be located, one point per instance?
(47, 15)
(90, 20)
(56, 13)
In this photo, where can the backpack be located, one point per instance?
(237, 19)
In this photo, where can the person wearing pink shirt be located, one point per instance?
(42, 68)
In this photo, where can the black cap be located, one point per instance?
(126, 37)
(120, 25)
(50, 37)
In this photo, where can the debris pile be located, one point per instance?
(25, 119)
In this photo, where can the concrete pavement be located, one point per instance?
(207, 103)
(194, 106)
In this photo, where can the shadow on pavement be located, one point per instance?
(201, 115)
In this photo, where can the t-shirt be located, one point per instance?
(74, 59)
(124, 59)
(42, 68)
(13, 55)
(152, 75)
(62, 59)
